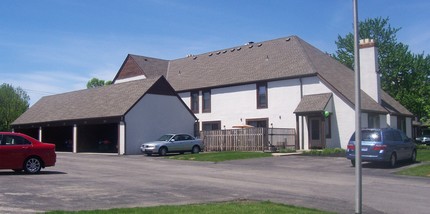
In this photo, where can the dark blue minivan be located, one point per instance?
(383, 145)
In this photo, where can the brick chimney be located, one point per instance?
(369, 69)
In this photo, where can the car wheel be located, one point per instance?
(353, 163)
(162, 151)
(195, 150)
(393, 160)
(414, 156)
(32, 165)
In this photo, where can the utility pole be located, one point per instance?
(358, 176)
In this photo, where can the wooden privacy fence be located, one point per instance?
(248, 139)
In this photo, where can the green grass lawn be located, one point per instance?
(422, 170)
(238, 207)
(220, 156)
(423, 155)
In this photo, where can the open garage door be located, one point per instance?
(61, 136)
(99, 138)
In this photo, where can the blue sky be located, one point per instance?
(55, 46)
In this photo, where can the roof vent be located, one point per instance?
(224, 51)
(211, 54)
(218, 52)
(288, 39)
(250, 46)
(238, 48)
(259, 45)
(195, 57)
(232, 50)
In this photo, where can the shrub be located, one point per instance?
(423, 147)
(333, 152)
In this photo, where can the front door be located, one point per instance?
(316, 140)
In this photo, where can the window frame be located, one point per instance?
(205, 108)
(194, 101)
(258, 120)
(375, 123)
(401, 123)
(260, 104)
(218, 123)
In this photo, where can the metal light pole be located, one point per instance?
(358, 181)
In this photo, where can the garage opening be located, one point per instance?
(98, 138)
(61, 136)
(32, 132)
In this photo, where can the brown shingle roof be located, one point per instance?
(313, 103)
(275, 59)
(280, 58)
(135, 65)
(339, 77)
(102, 102)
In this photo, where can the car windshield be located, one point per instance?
(368, 135)
(165, 137)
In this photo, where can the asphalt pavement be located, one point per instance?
(100, 181)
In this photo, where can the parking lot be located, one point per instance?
(95, 181)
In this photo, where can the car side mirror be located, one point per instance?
(172, 140)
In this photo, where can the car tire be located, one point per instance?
(393, 160)
(353, 163)
(162, 151)
(195, 150)
(413, 158)
(32, 165)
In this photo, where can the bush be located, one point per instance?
(332, 152)
(287, 150)
(423, 147)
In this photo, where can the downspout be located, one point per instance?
(302, 119)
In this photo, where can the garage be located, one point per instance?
(116, 118)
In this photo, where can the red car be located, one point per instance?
(21, 152)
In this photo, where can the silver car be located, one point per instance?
(425, 139)
(173, 143)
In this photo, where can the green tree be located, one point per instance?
(94, 83)
(404, 75)
(13, 103)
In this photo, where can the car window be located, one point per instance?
(165, 137)
(14, 140)
(368, 135)
(404, 137)
(397, 136)
(388, 136)
(177, 138)
(186, 137)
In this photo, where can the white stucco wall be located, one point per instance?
(153, 116)
(231, 104)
